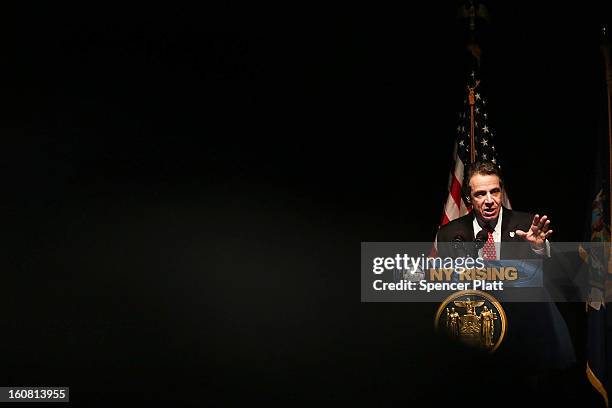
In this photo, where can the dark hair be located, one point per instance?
(484, 168)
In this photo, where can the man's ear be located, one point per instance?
(467, 200)
(466, 194)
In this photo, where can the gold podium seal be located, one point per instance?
(474, 317)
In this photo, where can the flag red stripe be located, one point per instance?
(445, 219)
(455, 191)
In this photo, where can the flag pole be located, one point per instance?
(597, 330)
(472, 101)
(471, 12)
(605, 49)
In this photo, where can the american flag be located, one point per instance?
(484, 147)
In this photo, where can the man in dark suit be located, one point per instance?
(538, 344)
(483, 192)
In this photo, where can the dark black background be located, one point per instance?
(186, 188)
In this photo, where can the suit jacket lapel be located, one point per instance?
(505, 231)
(468, 226)
(506, 226)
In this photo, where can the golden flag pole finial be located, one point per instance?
(476, 14)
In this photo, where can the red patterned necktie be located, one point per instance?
(488, 251)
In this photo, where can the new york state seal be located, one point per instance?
(473, 317)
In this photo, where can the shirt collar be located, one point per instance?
(478, 227)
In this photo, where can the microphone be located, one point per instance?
(458, 243)
(459, 238)
(481, 238)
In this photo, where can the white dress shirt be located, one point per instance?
(496, 232)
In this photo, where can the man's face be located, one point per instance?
(486, 195)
